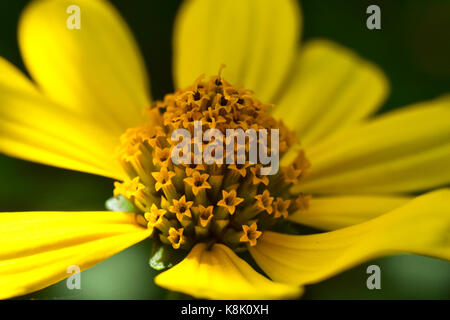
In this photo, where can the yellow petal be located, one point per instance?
(36, 129)
(219, 273)
(96, 70)
(403, 151)
(39, 247)
(422, 226)
(329, 213)
(256, 39)
(331, 87)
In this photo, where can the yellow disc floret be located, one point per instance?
(200, 201)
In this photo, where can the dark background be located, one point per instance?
(413, 48)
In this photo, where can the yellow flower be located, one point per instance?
(251, 234)
(89, 109)
(176, 237)
(229, 200)
(197, 182)
(205, 215)
(181, 208)
(155, 218)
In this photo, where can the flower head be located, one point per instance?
(223, 198)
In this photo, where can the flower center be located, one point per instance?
(188, 203)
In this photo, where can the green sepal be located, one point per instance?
(164, 256)
(120, 203)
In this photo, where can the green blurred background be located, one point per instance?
(413, 48)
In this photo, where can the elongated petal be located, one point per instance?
(39, 247)
(36, 129)
(403, 151)
(256, 39)
(330, 88)
(219, 273)
(329, 213)
(422, 226)
(96, 70)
